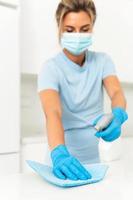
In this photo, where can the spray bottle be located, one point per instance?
(108, 151)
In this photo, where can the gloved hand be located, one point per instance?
(113, 131)
(66, 166)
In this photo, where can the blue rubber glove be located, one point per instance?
(113, 130)
(66, 166)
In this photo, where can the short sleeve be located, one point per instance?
(47, 77)
(108, 67)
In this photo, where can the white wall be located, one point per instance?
(10, 3)
(114, 32)
(38, 33)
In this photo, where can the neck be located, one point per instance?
(77, 59)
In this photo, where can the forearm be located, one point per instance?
(118, 100)
(55, 129)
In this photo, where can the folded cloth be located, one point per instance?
(97, 171)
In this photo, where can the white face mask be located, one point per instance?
(76, 43)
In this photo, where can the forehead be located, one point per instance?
(77, 19)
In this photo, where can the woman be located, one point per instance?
(70, 86)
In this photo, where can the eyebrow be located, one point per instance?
(86, 25)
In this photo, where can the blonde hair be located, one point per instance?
(66, 6)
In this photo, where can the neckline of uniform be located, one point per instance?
(75, 65)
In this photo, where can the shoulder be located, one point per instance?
(48, 76)
(99, 56)
(103, 63)
(48, 65)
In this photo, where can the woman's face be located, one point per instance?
(77, 22)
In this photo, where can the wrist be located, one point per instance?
(59, 152)
(120, 114)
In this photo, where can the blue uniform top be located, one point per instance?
(80, 87)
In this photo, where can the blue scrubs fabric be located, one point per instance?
(83, 144)
(81, 93)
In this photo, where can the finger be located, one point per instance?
(77, 172)
(59, 174)
(112, 136)
(98, 134)
(109, 139)
(68, 173)
(81, 168)
(106, 132)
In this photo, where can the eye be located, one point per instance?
(85, 30)
(69, 30)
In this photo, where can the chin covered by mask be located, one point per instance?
(76, 43)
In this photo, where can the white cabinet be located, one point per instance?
(9, 81)
(9, 163)
(32, 148)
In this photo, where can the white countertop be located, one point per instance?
(117, 184)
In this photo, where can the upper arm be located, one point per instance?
(48, 88)
(108, 67)
(112, 85)
(48, 77)
(50, 101)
